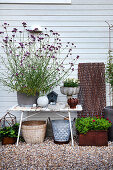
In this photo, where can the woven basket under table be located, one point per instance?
(34, 131)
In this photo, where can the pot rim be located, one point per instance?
(33, 123)
(69, 87)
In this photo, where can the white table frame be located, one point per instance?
(38, 109)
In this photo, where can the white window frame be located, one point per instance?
(37, 1)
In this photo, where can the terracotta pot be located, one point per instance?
(8, 140)
(72, 102)
(94, 138)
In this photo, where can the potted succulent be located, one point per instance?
(72, 102)
(70, 87)
(33, 66)
(8, 135)
(92, 131)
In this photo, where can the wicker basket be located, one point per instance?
(34, 131)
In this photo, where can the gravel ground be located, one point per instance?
(50, 156)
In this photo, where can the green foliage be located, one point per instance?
(9, 131)
(109, 71)
(71, 82)
(83, 125)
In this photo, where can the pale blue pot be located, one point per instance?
(61, 131)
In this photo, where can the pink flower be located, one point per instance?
(109, 121)
(93, 120)
(107, 118)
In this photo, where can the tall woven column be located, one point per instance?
(92, 93)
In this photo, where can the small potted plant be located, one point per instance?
(8, 135)
(70, 87)
(92, 131)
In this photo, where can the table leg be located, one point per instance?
(71, 129)
(19, 128)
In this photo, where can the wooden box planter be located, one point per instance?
(8, 140)
(94, 138)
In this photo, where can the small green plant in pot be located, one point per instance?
(70, 87)
(93, 131)
(71, 82)
(8, 135)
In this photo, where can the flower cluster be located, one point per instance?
(84, 124)
(100, 117)
(35, 63)
(71, 82)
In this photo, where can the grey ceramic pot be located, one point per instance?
(61, 131)
(26, 101)
(108, 113)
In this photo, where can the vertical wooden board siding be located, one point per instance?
(82, 22)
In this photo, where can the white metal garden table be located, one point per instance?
(39, 109)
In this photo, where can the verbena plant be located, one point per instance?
(71, 82)
(35, 63)
(83, 125)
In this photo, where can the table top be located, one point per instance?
(52, 108)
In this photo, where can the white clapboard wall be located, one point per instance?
(82, 22)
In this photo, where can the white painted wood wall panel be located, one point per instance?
(63, 12)
(67, 18)
(37, 1)
(82, 22)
